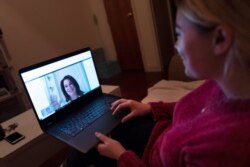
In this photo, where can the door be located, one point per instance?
(122, 25)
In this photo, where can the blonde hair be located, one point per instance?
(209, 13)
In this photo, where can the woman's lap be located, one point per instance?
(133, 135)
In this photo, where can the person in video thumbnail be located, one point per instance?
(70, 88)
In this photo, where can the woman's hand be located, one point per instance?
(109, 147)
(136, 108)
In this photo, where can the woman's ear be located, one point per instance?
(223, 39)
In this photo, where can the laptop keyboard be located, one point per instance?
(75, 124)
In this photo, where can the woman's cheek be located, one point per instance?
(180, 50)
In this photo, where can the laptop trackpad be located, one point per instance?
(104, 125)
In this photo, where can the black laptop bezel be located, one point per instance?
(49, 121)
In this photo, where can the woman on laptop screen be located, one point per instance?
(70, 88)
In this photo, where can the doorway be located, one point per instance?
(122, 25)
(164, 21)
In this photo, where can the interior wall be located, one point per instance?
(100, 19)
(37, 30)
(146, 35)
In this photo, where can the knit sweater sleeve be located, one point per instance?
(162, 111)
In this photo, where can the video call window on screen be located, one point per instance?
(56, 88)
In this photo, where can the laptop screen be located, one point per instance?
(52, 86)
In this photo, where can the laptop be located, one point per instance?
(67, 99)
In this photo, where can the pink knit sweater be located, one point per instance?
(203, 129)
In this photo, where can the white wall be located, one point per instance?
(38, 30)
(146, 34)
(98, 11)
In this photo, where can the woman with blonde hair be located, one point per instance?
(210, 126)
